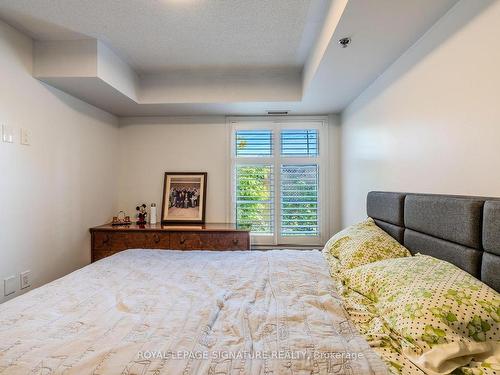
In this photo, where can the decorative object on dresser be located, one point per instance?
(184, 197)
(108, 239)
(152, 214)
(141, 214)
(121, 219)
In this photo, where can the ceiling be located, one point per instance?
(163, 34)
(185, 57)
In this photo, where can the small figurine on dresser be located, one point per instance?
(141, 214)
(121, 219)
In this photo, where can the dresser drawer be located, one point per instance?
(117, 241)
(209, 241)
(148, 240)
(230, 241)
(188, 241)
(109, 241)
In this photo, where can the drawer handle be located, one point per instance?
(156, 238)
(182, 240)
(236, 242)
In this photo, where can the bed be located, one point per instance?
(260, 312)
(196, 312)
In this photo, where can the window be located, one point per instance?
(277, 173)
(255, 198)
(299, 200)
(299, 142)
(254, 143)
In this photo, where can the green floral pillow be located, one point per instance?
(442, 317)
(377, 333)
(360, 244)
(387, 344)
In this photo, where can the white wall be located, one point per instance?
(151, 146)
(335, 173)
(431, 122)
(64, 183)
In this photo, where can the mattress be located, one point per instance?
(197, 312)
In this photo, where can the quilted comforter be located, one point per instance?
(197, 312)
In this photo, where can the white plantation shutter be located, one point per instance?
(255, 198)
(277, 169)
(254, 143)
(300, 142)
(299, 200)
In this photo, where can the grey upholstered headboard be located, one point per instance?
(462, 230)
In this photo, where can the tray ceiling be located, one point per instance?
(181, 57)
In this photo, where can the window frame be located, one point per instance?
(276, 124)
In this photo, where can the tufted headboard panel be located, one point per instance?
(462, 230)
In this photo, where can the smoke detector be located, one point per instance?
(344, 42)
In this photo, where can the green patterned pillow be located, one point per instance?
(442, 317)
(359, 244)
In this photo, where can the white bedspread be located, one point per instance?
(197, 312)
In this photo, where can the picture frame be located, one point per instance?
(184, 198)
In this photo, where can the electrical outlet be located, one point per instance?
(7, 133)
(25, 279)
(9, 285)
(25, 137)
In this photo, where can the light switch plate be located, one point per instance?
(9, 285)
(25, 136)
(7, 133)
(25, 279)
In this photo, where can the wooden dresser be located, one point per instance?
(108, 240)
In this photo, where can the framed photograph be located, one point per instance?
(184, 196)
